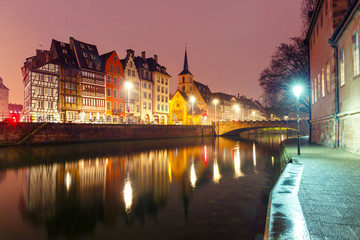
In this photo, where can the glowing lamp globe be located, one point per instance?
(297, 91)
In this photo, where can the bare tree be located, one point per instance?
(289, 66)
(306, 11)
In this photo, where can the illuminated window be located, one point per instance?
(342, 67)
(322, 83)
(315, 90)
(355, 44)
(328, 76)
(312, 93)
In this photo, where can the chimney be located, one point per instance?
(156, 58)
(143, 54)
(130, 53)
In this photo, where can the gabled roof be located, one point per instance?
(140, 64)
(204, 91)
(63, 54)
(2, 86)
(155, 67)
(184, 95)
(222, 96)
(186, 67)
(87, 55)
(105, 56)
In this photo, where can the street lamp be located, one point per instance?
(297, 92)
(215, 101)
(192, 100)
(128, 86)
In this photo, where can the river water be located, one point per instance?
(188, 188)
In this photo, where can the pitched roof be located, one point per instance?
(87, 55)
(2, 86)
(204, 91)
(105, 56)
(156, 67)
(222, 96)
(140, 64)
(63, 53)
(186, 67)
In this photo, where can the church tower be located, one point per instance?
(186, 79)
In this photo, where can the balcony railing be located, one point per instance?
(116, 111)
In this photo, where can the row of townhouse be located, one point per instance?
(73, 83)
(333, 40)
(194, 103)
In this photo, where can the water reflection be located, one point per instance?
(114, 181)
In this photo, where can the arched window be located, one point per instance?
(183, 79)
(108, 119)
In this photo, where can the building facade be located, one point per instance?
(132, 94)
(161, 91)
(4, 100)
(114, 88)
(326, 17)
(69, 96)
(146, 88)
(345, 42)
(92, 81)
(41, 84)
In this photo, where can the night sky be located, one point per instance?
(229, 42)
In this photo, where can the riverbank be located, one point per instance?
(12, 134)
(327, 193)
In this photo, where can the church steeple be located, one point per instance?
(186, 67)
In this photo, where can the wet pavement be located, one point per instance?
(329, 190)
(285, 216)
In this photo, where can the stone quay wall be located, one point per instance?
(30, 133)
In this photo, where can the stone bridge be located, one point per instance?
(235, 128)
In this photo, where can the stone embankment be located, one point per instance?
(32, 133)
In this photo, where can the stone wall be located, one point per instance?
(324, 132)
(28, 133)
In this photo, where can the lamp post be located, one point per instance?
(215, 101)
(128, 86)
(192, 100)
(297, 92)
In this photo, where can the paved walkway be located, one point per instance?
(329, 191)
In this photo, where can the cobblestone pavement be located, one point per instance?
(329, 191)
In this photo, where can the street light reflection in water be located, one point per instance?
(156, 190)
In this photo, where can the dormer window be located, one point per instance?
(82, 45)
(90, 48)
(85, 54)
(92, 56)
(62, 44)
